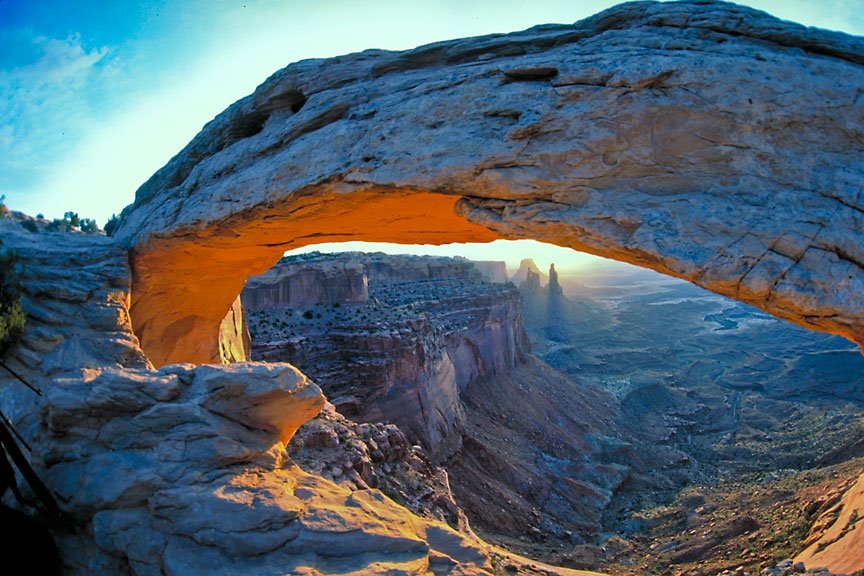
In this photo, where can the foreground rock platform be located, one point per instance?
(705, 140)
(183, 470)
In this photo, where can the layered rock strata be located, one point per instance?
(492, 270)
(298, 285)
(512, 430)
(431, 326)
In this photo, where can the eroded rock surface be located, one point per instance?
(429, 326)
(836, 539)
(534, 457)
(359, 456)
(704, 140)
(184, 470)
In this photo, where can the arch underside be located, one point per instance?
(728, 156)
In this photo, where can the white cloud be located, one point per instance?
(46, 106)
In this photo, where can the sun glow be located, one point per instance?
(512, 252)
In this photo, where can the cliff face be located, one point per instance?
(492, 270)
(184, 470)
(444, 355)
(430, 326)
(298, 284)
(384, 269)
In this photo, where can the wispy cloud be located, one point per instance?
(47, 100)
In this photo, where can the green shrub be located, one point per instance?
(111, 224)
(11, 311)
(89, 226)
(71, 222)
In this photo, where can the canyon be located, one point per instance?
(441, 351)
(630, 427)
(706, 141)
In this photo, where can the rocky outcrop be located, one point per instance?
(618, 135)
(138, 483)
(184, 470)
(554, 286)
(382, 268)
(836, 539)
(358, 456)
(527, 268)
(432, 325)
(531, 285)
(300, 282)
(492, 270)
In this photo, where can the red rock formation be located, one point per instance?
(554, 287)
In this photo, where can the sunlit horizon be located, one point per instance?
(566, 260)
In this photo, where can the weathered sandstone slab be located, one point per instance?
(837, 540)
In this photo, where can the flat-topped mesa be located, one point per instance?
(704, 140)
(302, 282)
(493, 270)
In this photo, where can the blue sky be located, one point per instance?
(96, 95)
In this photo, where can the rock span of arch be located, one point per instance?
(704, 140)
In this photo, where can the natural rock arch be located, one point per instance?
(704, 140)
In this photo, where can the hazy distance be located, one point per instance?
(566, 260)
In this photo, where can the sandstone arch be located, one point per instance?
(704, 140)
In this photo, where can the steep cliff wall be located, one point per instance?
(431, 326)
(297, 283)
(383, 269)
(443, 353)
(493, 270)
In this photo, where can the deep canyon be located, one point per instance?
(647, 399)
(628, 423)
